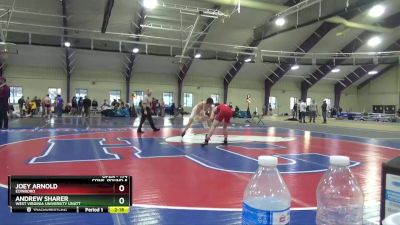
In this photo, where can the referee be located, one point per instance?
(146, 112)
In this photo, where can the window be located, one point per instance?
(15, 94)
(138, 97)
(215, 98)
(187, 100)
(168, 98)
(272, 102)
(81, 93)
(53, 92)
(308, 101)
(116, 94)
(293, 100)
(328, 102)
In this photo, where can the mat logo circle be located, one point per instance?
(214, 156)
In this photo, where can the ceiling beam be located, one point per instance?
(237, 65)
(269, 29)
(184, 68)
(391, 21)
(361, 71)
(107, 15)
(373, 77)
(132, 56)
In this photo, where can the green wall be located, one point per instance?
(35, 81)
(385, 90)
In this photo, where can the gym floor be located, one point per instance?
(176, 181)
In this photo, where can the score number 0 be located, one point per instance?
(121, 188)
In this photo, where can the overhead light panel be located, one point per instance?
(374, 41)
(248, 60)
(376, 11)
(295, 67)
(135, 50)
(280, 21)
(197, 56)
(150, 4)
(373, 72)
(336, 70)
(67, 44)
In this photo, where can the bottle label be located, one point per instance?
(392, 194)
(253, 216)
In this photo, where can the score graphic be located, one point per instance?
(86, 194)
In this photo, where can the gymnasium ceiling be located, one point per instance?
(160, 40)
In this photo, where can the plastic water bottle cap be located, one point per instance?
(339, 160)
(266, 160)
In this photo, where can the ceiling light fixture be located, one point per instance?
(374, 41)
(373, 72)
(336, 70)
(280, 21)
(376, 11)
(295, 67)
(150, 4)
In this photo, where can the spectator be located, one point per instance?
(172, 109)
(303, 110)
(60, 104)
(74, 106)
(294, 111)
(4, 96)
(46, 106)
(33, 107)
(313, 111)
(162, 108)
(28, 106)
(38, 103)
(80, 106)
(21, 104)
(105, 105)
(324, 107)
(236, 111)
(264, 109)
(86, 106)
(114, 103)
(95, 104)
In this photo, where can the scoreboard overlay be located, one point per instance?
(77, 194)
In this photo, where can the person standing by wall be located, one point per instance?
(21, 104)
(86, 106)
(46, 106)
(60, 105)
(303, 110)
(74, 106)
(313, 111)
(294, 111)
(162, 107)
(146, 112)
(324, 107)
(4, 96)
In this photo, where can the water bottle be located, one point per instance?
(339, 197)
(266, 199)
